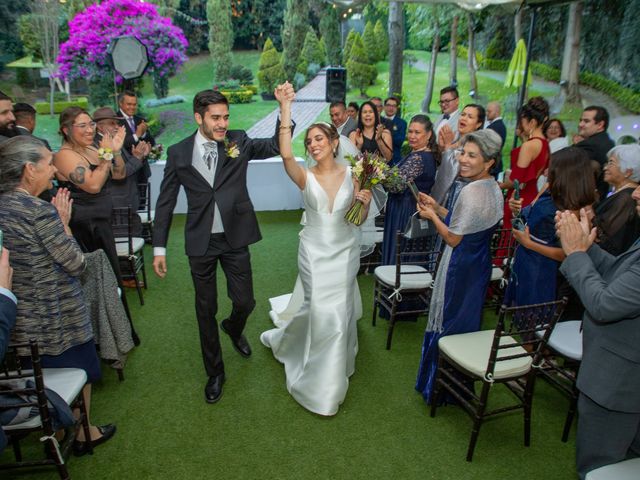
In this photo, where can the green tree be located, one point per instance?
(311, 52)
(382, 40)
(270, 71)
(330, 30)
(294, 31)
(323, 52)
(256, 20)
(220, 38)
(370, 44)
(29, 36)
(360, 72)
(347, 46)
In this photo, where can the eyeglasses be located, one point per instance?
(446, 102)
(85, 126)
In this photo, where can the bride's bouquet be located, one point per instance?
(369, 170)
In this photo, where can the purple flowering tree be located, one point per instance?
(84, 55)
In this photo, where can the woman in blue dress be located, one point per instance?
(465, 267)
(535, 268)
(418, 166)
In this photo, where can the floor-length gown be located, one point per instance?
(316, 335)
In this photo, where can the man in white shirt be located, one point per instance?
(449, 106)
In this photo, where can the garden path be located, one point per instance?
(309, 103)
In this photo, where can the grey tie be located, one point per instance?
(211, 155)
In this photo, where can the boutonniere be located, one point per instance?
(395, 128)
(231, 149)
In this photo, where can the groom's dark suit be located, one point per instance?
(204, 249)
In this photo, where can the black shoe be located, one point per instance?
(81, 448)
(213, 389)
(240, 344)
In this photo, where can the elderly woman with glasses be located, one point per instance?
(465, 267)
(85, 169)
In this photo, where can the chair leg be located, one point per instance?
(478, 418)
(376, 293)
(569, 420)
(528, 400)
(144, 274)
(120, 373)
(392, 322)
(17, 452)
(437, 387)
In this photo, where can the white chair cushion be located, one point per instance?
(627, 470)
(122, 245)
(387, 275)
(566, 339)
(145, 216)
(66, 382)
(471, 351)
(378, 235)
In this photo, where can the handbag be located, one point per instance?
(418, 227)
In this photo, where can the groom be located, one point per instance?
(211, 166)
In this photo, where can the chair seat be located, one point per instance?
(566, 339)
(471, 352)
(145, 216)
(122, 245)
(627, 470)
(411, 276)
(66, 382)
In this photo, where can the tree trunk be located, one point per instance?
(471, 57)
(453, 72)
(569, 76)
(517, 25)
(426, 101)
(396, 46)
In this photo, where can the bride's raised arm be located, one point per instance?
(285, 95)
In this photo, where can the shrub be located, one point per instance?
(312, 70)
(241, 73)
(382, 40)
(43, 108)
(238, 96)
(253, 88)
(347, 46)
(298, 81)
(360, 73)
(270, 71)
(370, 44)
(152, 103)
(330, 29)
(311, 52)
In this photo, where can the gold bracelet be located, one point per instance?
(285, 127)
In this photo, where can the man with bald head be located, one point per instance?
(495, 123)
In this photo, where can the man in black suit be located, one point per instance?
(7, 118)
(136, 129)
(398, 127)
(26, 121)
(609, 379)
(211, 166)
(495, 123)
(593, 125)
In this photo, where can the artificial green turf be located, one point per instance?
(383, 429)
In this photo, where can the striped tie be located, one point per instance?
(211, 155)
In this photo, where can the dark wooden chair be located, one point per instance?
(145, 212)
(24, 388)
(404, 289)
(130, 249)
(502, 248)
(509, 355)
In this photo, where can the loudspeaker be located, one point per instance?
(336, 84)
(128, 56)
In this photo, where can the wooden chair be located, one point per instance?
(404, 289)
(24, 389)
(130, 249)
(146, 214)
(502, 248)
(510, 354)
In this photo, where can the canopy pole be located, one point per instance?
(523, 87)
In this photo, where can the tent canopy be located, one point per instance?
(475, 5)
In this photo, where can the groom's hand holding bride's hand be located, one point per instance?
(285, 93)
(160, 265)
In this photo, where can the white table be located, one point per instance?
(269, 186)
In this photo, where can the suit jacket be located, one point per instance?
(349, 126)
(597, 146)
(398, 128)
(229, 192)
(609, 288)
(24, 131)
(499, 127)
(130, 142)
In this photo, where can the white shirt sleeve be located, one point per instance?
(159, 251)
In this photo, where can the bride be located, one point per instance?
(315, 335)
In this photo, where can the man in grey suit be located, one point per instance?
(211, 165)
(609, 378)
(340, 119)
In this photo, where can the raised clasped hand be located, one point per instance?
(379, 130)
(284, 93)
(63, 203)
(575, 235)
(115, 141)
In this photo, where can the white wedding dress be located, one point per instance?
(316, 335)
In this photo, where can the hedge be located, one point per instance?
(44, 108)
(238, 96)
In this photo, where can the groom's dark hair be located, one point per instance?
(207, 97)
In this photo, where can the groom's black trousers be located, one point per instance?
(236, 264)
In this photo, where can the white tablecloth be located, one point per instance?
(270, 188)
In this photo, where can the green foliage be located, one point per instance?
(160, 85)
(241, 73)
(44, 107)
(376, 10)
(382, 40)
(346, 52)
(10, 44)
(294, 31)
(323, 52)
(101, 91)
(497, 46)
(256, 20)
(330, 30)
(270, 71)
(370, 44)
(238, 96)
(428, 21)
(29, 36)
(360, 72)
(220, 37)
(188, 17)
(311, 52)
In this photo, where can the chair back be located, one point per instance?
(121, 224)
(144, 207)
(419, 252)
(502, 247)
(522, 332)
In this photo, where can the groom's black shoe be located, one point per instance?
(240, 343)
(213, 389)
